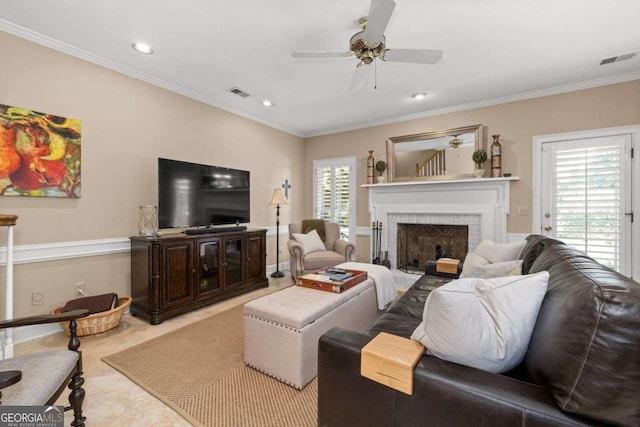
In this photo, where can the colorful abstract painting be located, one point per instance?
(39, 154)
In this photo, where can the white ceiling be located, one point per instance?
(494, 51)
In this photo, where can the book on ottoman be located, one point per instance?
(332, 279)
(390, 359)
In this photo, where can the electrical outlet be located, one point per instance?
(79, 288)
(37, 297)
(523, 210)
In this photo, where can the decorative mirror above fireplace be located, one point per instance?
(443, 154)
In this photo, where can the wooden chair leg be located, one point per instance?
(76, 397)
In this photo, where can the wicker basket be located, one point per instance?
(97, 323)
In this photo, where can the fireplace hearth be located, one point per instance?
(419, 243)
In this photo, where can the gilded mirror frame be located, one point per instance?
(479, 136)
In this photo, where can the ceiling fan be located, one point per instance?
(369, 44)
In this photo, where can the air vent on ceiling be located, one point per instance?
(239, 92)
(618, 58)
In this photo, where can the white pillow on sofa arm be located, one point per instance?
(482, 323)
(310, 242)
(476, 266)
(500, 252)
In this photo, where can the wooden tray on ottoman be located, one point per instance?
(316, 280)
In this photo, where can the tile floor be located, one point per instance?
(111, 398)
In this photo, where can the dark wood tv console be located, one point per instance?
(176, 273)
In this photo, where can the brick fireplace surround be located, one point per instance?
(482, 204)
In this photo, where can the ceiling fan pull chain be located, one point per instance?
(375, 75)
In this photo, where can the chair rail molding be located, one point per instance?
(25, 254)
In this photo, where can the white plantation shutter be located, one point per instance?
(334, 192)
(324, 194)
(589, 187)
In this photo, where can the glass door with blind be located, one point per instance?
(334, 193)
(586, 197)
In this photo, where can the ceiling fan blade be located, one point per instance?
(414, 56)
(361, 78)
(321, 54)
(377, 20)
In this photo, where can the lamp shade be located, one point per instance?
(278, 198)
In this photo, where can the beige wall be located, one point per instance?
(126, 125)
(517, 122)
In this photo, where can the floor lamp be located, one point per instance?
(278, 199)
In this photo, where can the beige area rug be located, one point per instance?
(199, 372)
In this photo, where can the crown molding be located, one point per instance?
(485, 103)
(49, 42)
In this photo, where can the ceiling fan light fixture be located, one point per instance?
(267, 103)
(142, 48)
(418, 96)
(456, 142)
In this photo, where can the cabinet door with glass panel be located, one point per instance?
(233, 262)
(210, 265)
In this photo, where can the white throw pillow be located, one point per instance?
(482, 323)
(471, 261)
(311, 242)
(499, 252)
(498, 269)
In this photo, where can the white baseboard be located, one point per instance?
(28, 333)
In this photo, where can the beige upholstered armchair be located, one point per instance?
(337, 250)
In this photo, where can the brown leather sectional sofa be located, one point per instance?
(582, 366)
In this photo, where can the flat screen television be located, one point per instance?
(190, 194)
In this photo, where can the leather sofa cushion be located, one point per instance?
(392, 323)
(404, 315)
(533, 248)
(586, 343)
(411, 304)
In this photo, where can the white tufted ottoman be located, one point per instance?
(281, 330)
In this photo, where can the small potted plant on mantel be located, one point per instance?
(381, 166)
(479, 157)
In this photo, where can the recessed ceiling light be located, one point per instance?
(418, 96)
(142, 48)
(267, 103)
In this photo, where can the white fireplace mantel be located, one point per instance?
(482, 203)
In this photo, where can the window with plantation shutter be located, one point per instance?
(334, 192)
(589, 194)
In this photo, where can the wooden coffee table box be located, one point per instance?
(315, 280)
